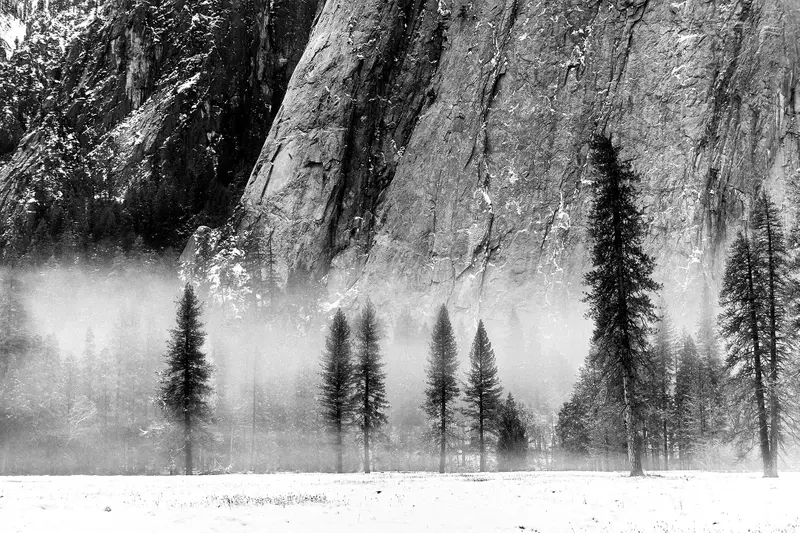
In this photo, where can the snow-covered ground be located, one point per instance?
(384, 503)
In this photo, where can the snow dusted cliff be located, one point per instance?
(437, 149)
(431, 148)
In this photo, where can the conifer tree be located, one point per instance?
(619, 284)
(482, 393)
(743, 313)
(15, 337)
(103, 396)
(336, 399)
(185, 384)
(442, 389)
(405, 329)
(687, 399)
(768, 237)
(664, 365)
(712, 370)
(512, 442)
(370, 380)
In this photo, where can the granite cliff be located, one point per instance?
(438, 148)
(431, 148)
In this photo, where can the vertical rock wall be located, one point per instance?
(438, 149)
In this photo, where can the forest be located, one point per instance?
(120, 366)
(85, 352)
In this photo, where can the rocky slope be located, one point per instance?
(438, 148)
(153, 116)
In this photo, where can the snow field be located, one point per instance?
(394, 502)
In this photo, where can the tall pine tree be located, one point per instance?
(336, 398)
(482, 393)
(186, 383)
(15, 335)
(687, 405)
(370, 380)
(768, 237)
(442, 389)
(713, 423)
(743, 314)
(658, 387)
(619, 284)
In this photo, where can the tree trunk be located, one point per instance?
(339, 450)
(666, 446)
(759, 379)
(443, 437)
(773, 357)
(366, 424)
(481, 445)
(187, 426)
(634, 452)
(766, 456)
(366, 450)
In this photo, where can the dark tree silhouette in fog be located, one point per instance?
(768, 236)
(512, 441)
(185, 384)
(370, 379)
(619, 284)
(442, 389)
(482, 393)
(336, 399)
(744, 309)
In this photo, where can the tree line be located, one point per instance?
(660, 398)
(353, 391)
(128, 407)
(674, 400)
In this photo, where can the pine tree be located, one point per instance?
(713, 373)
(405, 329)
(583, 426)
(664, 364)
(512, 441)
(105, 376)
(442, 389)
(483, 392)
(260, 265)
(743, 314)
(687, 401)
(15, 336)
(370, 380)
(185, 384)
(619, 284)
(336, 399)
(768, 237)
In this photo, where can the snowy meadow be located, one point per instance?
(395, 502)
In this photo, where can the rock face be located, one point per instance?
(438, 148)
(431, 148)
(156, 113)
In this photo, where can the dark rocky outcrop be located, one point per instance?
(159, 107)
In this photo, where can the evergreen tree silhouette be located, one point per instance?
(186, 383)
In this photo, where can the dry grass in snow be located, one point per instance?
(384, 503)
